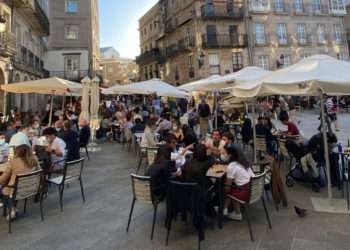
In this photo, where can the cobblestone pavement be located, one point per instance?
(100, 222)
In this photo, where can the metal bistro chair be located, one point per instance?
(143, 191)
(148, 153)
(261, 147)
(26, 186)
(256, 193)
(72, 172)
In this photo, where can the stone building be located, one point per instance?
(116, 69)
(186, 40)
(73, 44)
(23, 47)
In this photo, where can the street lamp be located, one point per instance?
(2, 24)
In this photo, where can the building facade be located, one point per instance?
(24, 46)
(182, 41)
(73, 44)
(116, 69)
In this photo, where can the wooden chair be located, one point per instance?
(256, 194)
(26, 186)
(143, 192)
(72, 172)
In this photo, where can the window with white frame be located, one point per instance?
(260, 5)
(214, 64)
(237, 61)
(342, 56)
(338, 33)
(316, 6)
(301, 32)
(260, 33)
(71, 6)
(298, 6)
(71, 32)
(337, 6)
(321, 33)
(279, 5)
(263, 62)
(71, 66)
(282, 33)
(287, 61)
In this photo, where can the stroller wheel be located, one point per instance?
(289, 181)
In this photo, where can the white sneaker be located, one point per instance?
(234, 216)
(216, 208)
(13, 214)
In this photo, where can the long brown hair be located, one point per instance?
(24, 152)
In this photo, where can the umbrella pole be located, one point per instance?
(325, 146)
(63, 101)
(71, 99)
(254, 130)
(51, 108)
(216, 110)
(5, 103)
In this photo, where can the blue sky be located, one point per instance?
(119, 24)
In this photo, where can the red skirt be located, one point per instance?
(241, 193)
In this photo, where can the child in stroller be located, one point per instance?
(309, 161)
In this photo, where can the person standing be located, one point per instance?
(204, 116)
(332, 112)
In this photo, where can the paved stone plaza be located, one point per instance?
(100, 222)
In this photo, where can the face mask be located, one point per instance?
(2, 141)
(36, 126)
(58, 129)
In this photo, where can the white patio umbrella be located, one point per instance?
(85, 100)
(154, 86)
(94, 105)
(203, 85)
(313, 76)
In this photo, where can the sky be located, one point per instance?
(119, 24)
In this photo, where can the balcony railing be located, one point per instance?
(154, 55)
(262, 40)
(259, 8)
(7, 44)
(220, 11)
(182, 46)
(73, 75)
(34, 15)
(320, 9)
(280, 7)
(304, 39)
(337, 11)
(224, 41)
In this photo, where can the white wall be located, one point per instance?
(54, 59)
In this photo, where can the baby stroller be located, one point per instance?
(297, 173)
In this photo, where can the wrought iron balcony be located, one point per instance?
(71, 75)
(182, 46)
(224, 41)
(154, 55)
(222, 11)
(7, 44)
(34, 15)
(259, 7)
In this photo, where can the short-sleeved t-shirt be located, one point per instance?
(239, 174)
(58, 145)
(292, 128)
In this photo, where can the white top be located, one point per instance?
(4, 152)
(58, 145)
(18, 139)
(239, 174)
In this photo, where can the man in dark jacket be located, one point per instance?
(204, 116)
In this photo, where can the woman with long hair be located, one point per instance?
(239, 173)
(24, 162)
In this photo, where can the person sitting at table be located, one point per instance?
(177, 131)
(263, 130)
(189, 136)
(149, 138)
(161, 170)
(84, 132)
(164, 126)
(56, 147)
(214, 144)
(195, 170)
(24, 162)
(292, 129)
(177, 155)
(138, 126)
(21, 137)
(71, 138)
(238, 177)
(4, 148)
